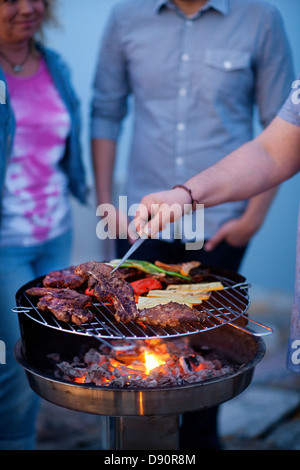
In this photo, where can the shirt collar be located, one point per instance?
(221, 5)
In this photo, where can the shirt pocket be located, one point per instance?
(227, 70)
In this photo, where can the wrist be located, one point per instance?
(189, 192)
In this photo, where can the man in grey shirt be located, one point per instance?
(195, 74)
(195, 69)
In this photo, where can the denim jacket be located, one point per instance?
(71, 163)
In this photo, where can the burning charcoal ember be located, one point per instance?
(67, 305)
(171, 314)
(94, 357)
(196, 360)
(113, 286)
(119, 382)
(139, 366)
(64, 278)
(173, 363)
(129, 370)
(186, 365)
(98, 374)
(116, 373)
(68, 372)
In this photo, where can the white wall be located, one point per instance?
(270, 260)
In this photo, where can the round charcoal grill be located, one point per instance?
(151, 416)
(227, 306)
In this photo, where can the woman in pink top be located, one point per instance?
(40, 163)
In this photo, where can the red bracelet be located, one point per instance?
(193, 201)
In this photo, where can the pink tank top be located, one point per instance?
(35, 203)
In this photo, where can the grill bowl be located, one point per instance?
(246, 350)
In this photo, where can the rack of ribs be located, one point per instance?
(110, 286)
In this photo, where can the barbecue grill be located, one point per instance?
(135, 411)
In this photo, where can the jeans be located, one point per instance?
(18, 403)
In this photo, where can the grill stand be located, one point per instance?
(143, 432)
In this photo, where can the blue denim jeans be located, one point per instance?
(18, 404)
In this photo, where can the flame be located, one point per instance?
(152, 361)
(80, 380)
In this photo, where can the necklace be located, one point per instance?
(17, 67)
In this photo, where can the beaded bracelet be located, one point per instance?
(193, 201)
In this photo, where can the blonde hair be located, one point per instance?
(50, 18)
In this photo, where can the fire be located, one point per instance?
(148, 365)
(80, 380)
(152, 361)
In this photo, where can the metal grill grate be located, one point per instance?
(223, 307)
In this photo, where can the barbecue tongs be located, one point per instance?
(131, 250)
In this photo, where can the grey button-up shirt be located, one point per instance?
(195, 81)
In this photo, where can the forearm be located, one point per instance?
(240, 175)
(255, 167)
(103, 154)
(258, 207)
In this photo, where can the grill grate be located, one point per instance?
(223, 307)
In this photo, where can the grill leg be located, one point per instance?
(145, 433)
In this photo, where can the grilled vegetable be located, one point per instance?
(148, 267)
(193, 297)
(89, 291)
(183, 268)
(142, 286)
(192, 288)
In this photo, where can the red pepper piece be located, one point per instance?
(89, 291)
(142, 286)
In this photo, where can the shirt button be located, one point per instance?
(179, 161)
(227, 64)
(185, 57)
(181, 126)
(182, 92)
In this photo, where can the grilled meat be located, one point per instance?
(170, 314)
(67, 305)
(110, 286)
(59, 296)
(63, 278)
